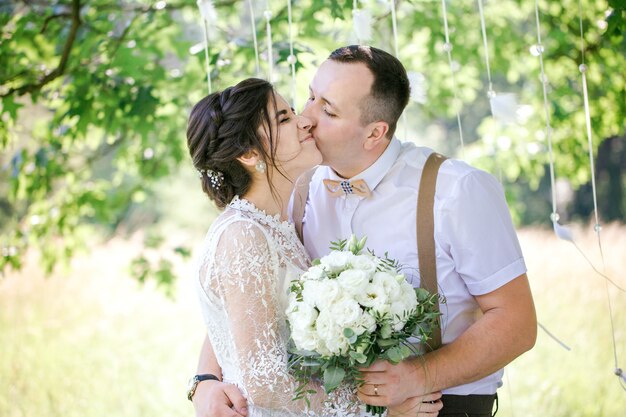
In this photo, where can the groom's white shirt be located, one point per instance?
(476, 246)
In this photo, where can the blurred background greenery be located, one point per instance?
(96, 188)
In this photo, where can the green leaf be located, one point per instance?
(333, 375)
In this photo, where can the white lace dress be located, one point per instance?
(245, 269)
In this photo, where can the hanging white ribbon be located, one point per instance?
(268, 28)
(209, 15)
(447, 47)
(254, 39)
(362, 22)
(291, 59)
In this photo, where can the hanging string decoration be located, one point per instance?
(254, 39)
(362, 21)
(563, 232)
(209, 16)
(292, 59)
(394, 25)
(583, 71)
(447, 47)
(503, 106)
(268, 28)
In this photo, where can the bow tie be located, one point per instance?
(337, 188)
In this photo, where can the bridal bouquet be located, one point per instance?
(349, 309)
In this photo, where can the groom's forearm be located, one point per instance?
(507, 329)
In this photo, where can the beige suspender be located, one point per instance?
(425, 226)
(426, 234)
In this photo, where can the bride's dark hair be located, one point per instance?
(224, 126)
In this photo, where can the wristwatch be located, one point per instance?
(195, 380)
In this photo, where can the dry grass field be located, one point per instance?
(92, 342)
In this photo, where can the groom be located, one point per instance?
(356, 99)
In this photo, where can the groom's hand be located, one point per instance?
(425, 406)
(389, 385)
(219, 399)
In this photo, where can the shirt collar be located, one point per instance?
(374, 174)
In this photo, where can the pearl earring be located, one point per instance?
(260, 166)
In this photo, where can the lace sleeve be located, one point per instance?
(245, 271)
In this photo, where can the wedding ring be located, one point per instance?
(376, 390)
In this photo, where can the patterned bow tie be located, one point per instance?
(337, 188)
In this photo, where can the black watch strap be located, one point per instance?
(196, 380)
(204, 377)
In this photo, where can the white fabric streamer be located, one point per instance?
(419, 86)
(504, 107)
(362, 20)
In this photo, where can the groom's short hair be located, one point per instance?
(390, 90)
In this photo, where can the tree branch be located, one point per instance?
(50, 18)
(60, 69)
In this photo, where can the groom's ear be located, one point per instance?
(377, 134)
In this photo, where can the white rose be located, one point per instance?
(310, 292)
(328, 292)
(364, 323)
(389, 282)
(345, 311)
(305, 339)
(314, 273)
(365, 263)
(301, 315)
(399, 314)
(408, 296)
(336, 261)
(328, 331)
(339, 345)
(374, 297)
(353, 281)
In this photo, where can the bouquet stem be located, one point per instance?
(375, 410)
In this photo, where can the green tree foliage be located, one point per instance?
(95, 95)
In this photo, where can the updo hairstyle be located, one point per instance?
(224, 126)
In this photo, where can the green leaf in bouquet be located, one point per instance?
(359, 357)
(386, 343)
(315, 262)
(339, 245)
(350, 335)
(422, 295)
(394, 355)
(333, 375)
(385, 331)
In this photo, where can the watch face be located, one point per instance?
(192, 382)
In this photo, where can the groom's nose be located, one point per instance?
(309, 113)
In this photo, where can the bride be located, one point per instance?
(249, 146)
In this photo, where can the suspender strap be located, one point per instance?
(300, 196)
(426, 234)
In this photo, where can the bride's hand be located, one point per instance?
(425, 406)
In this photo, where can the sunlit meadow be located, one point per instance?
(91, 341)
